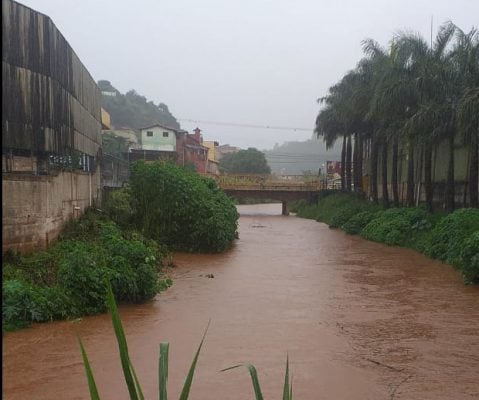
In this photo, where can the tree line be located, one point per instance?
(411, 96)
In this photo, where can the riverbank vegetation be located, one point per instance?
(68, 279)
(452, 238)
(180, 208)
(409, 113)
(164, 208)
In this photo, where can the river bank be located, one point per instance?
(163, 208)
(358, 319)
(67, 280)
(452, 238)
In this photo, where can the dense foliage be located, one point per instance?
(69, 279)
(449, 236)
(453, 238)
(410, 98)
(134, 111)
(182, 209)
(250, 161)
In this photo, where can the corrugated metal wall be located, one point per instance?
(51, 104)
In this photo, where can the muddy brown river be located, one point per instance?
(359, 320)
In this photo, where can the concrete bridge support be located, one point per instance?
(284, 209)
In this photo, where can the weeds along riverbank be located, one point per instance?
(452, 238)
(127, 246)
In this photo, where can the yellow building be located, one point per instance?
(212, 165)
(105, 119)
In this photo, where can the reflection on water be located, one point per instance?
(358, 320)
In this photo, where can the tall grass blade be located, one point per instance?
(254, 378)
(89, 374)
(163, 371)
(137, 383)
(122, 346)
(286, 390)
(291, 389)
(189, 378)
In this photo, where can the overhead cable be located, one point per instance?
(240, 125)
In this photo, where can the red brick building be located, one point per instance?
(191, 151)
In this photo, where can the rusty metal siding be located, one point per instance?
(51, 104)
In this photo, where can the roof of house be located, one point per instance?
(196, 146)
(161, 126)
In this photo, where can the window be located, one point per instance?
(165, 134)
(149, 133)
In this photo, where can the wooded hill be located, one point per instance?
(133, 111)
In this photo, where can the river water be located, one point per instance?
(358, 320)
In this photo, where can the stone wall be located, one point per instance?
(36, 208)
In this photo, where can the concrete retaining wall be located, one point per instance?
(36, 208)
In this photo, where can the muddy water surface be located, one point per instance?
(358, 320)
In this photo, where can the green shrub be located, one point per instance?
(343, 214)
(39, 268)
(397, 226)
(357, 222)
(297, 205)
(119, 207)
(69, 279)
(448, 236)
(133, 263)
(308, 211)
(85, 228)
(84, 274)
(469, 259)
(24, 303)
(334, 208)
(182, 209)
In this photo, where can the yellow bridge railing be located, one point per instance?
(268, 182)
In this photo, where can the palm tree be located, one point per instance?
(466, 60)
(410, 96)
(432, 121)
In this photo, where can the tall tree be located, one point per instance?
(250, 161)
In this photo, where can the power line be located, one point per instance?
(240, 125)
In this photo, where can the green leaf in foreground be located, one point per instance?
(254, 378)
(163, 371)
(287, 388)
(130, 377)
(189, 378)
(89, 374)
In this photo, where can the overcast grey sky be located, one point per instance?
(251, 61)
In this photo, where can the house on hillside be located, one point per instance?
(157, 142)
(191, 150)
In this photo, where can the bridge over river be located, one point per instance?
(284, 188)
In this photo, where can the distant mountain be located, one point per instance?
(297, 158)
(133, 111)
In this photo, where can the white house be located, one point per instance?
(158, 138)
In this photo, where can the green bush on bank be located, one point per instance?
(448, 236)
(397, 226)
(23, 303)
(181, 209)
(69, 279)
(358, 222)
(468, 261)
(453, 238)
